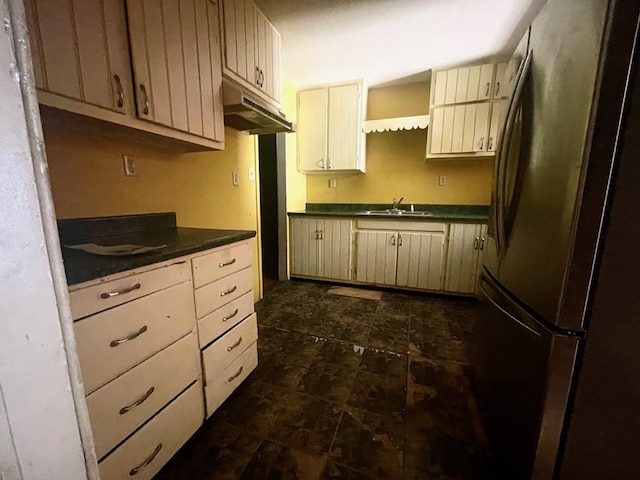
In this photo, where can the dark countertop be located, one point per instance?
(440, 213)
(147, 230)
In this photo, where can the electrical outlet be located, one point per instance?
(235, 178)
(442, 180)
(130, 166)
(332, 183)
(252, 174)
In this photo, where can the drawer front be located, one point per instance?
(230, 378)
(218, 322)
(86, 301)
(163, 436)
(214, 295)
(220, 263)
(226, 349)
(405, 225)
(124, 404)
(112, 342)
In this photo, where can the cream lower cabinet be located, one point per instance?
(321, 248)
(404, 254)
(464, 257)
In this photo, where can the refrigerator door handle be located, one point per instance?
(499, 307)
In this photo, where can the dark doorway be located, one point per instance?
(273, 210)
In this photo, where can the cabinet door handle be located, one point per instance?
(145, 102)
(224, 319)
(235, 345)
(497, 88)
(261, 78)
(140, 401)
(490, 144)
(486, 93)
(133, 336)
(482, 143)
(320, 163)
(482, 244)
(257, 76)
(119, 91)
(106, 295)
(235, 375)
(393, 240)
(321, 235)
(136, 470)
(226, 264)
(229, 291)
(476, 243)
(328, 164)
(399, 240)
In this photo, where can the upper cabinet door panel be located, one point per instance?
(486, 79)
(193, 90)
(344, 126)
(501, 89)
(80, 50)
(175, 63)
(312, 129)
(463, 84)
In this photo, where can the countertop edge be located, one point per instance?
(434, 218)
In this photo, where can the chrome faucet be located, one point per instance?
(396, 203)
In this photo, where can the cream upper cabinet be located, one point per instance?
(330, 136)
(460, 129)
(252, 48)
(502, 88)
(464, 84)
(174, 46)
(466, 245)
(498, 117)
(154, 66)
(321, 248)
(79, 51)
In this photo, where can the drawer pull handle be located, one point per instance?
(234, 345)
(106, 295)
(226, 264)
(136, 470)
(229, 291)
(236, 375)
(224, 319)
(115, 343)
(140, 401)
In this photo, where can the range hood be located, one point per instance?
(247, 113)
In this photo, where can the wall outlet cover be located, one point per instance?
(442, 180)
(130, 166)
(252, 174)
(332, 183)
(235, 178)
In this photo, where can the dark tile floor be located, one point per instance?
(348, 388)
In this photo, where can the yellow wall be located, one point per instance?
(396, 164)
(87, 180)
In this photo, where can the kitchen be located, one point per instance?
(82, 170)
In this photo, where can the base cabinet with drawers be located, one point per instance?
(160, 346)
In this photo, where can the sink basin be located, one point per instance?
(397, 212)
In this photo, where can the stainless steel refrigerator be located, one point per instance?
(550, 194)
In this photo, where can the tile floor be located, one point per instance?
(348, 388)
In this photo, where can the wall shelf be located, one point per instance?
(395, 124)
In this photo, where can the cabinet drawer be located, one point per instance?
(218, 322)
(230, 378)
(150, 323)
(214, 295)
(86, 301)
(220, 263)
(225, 350)
(405, 225)
(156, 442)
(124, 404)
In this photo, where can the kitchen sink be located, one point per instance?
(397, 212)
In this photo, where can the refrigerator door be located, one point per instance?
(522, 375)
(536, 231)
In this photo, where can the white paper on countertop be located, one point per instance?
(115, 250)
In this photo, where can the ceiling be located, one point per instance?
(391, 41)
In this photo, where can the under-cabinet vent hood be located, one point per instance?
(247, 113)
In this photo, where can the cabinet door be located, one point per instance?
(462, 258)
(174, 87)
(501, 89)
(273, 73)
(498, 117)
(459, 128)
(344, 127)
(420, 260)
(80, 50)
(304, 246)
(312, 129)
(335, 249)
(483, 242)
(377, 257)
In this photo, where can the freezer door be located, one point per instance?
(543, 187)
(510, 375)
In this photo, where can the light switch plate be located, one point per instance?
(252, 174)
(235, 178)
(442, 180)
